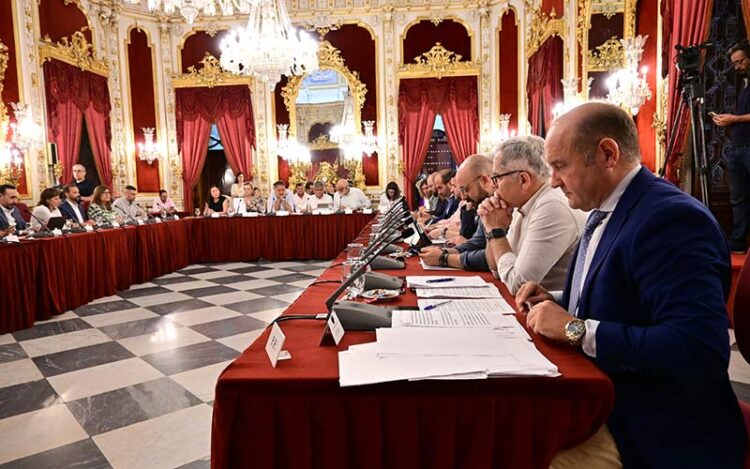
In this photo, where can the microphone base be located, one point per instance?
(41, 234)
(386, 263)
(390, 249)
(375, 280)
(362, 316)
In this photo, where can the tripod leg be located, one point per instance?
(700, 161)
(673, 136)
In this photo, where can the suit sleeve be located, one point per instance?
(678, 265)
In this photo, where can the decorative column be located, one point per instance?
(172, 164)
(391, 45)
(484, 81)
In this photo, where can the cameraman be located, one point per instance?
(739, 150)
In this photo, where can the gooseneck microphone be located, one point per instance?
(46, 232)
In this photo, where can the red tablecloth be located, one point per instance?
(297, 416)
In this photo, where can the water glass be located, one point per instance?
(354, 251)
(356, 287)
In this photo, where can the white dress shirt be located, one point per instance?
(76, 210)
(543, 236)
(314, 202)
(301, 203)
(608, 206)
(159, 206)
(123, 206)
(43, 214)
(9, 216)
(287, 196)
(355, 199)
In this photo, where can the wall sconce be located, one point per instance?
(148, 151)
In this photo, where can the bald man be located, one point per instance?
(645, 299)
(349, 198)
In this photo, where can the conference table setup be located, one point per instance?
(297, 412)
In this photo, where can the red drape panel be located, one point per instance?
(686, 22)
(70, 93)
(235, 123)
(543, 85)
(194, 146)
(416, 122)
(96, 125)
(462, 124)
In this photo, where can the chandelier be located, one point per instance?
(148, 151)
(628, 87)
(15, 139)
(189, 9)
(571, 98)
(269, 46)
(297, 156)
(369, 142)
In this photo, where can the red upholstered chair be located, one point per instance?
(742, 330)
(85, 206)
(24, 209)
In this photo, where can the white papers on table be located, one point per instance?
(421, 281)
(489, 306)
(487, 291)
(434, 267)
(439, 241)
(503, 325)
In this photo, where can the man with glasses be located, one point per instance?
(738, 153)
(535, 244)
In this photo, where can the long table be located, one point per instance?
(297, 416)
(49, 276)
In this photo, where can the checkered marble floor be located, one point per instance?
(128, 381)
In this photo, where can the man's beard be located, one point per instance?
(482, 195)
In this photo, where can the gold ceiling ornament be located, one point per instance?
(583, 23)
(438, 62)
(323, 142)
(541, 26)
(209, 75)
(328, 58)
(607, 57)
(4, 58)
(323, 25)
(75, 51)
(327, 173)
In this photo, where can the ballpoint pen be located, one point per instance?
(438, 280)
(435, 305)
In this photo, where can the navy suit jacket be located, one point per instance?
(20, 222)
(67, 211)
(658, 283)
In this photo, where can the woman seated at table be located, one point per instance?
(247, 203)
(46, 209)
(389, 197)
(216, 203)
(101, 209)
(258, 204)
(236, 189)
(330, 190)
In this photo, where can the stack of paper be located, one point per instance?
(443, 281)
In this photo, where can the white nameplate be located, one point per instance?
(215, 215)
(57, 232)
(158, 219)
(88, 228)
(141, 222)
(12, 239)
(367, 211)
(282, 213)
(176, 217)
(316, 212)
(275, 345)
(115, 224)
(250, 214)
(337, 330)
(348, 211)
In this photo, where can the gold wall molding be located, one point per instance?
(209, 75)
(436, 17)
(606, 57)
(437, 63)
(4, 58)
(75, 51)
(541, 26)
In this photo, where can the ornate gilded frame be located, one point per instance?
(75, 51)
(209, 75)
(328, 58)
(4, 59)
(439, 62)
(541, 26)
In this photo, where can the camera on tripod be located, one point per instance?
(689, 58)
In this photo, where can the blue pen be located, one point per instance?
(438, 280)
(435, 305)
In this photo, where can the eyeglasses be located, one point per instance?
(465, 188)
(737, 62)
(497, 177)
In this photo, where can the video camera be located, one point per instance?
(689, 58)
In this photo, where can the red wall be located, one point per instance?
(508, 57)
(11, 86)
(143, 104)
(646, 17)
(196, 46)
(58, 20)
(422, 36)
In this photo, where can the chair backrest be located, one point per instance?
(742, 309)
(24, 209)
(85, 206)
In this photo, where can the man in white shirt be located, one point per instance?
(10, 217)
(349, 198)
(163, 204)
(538, 243)
(71, 209)
(127, 206)
(281, 199)
(300, 198)
(319, 199)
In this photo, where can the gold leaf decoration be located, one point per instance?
(607, 57)
(438, 62)
(75, 51)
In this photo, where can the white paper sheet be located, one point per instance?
(480, 305)
(434, 267)
(488, 291)
(420, 281)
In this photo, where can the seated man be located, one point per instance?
(309, 188)
(85, 187)
(447, 202)
(10, 218)
(300, 197)
(474, 182)
(349, 198)
(319, 199)
(163, 205)
(645, 299)
(539, 242)
(281, 199)
(71, 209)
(127, 206)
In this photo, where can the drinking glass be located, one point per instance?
(356, 287)
(354, 251)
(197, 212)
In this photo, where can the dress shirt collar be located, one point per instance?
(610, 203)
(525, 209)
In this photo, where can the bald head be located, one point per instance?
(342, 186)
(474, 166)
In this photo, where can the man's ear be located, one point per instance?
(611, 151)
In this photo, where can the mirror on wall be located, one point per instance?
(323, 103)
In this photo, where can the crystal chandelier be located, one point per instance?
(15, 139)
(269, 46)
(189, 9)
(148, 150)
(297, 156)
(369, 142)
(628, 87)
(571, 98)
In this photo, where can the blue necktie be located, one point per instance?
(594, 220)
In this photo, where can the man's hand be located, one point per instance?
(436, 233)
(495, 213)
(723, 120)
(530, 294)
(431, 256)
(548, 319)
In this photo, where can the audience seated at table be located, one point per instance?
(349, 198)
(389, 197)
(537, 241)
(427, 200)
(127, 206)
(49, 201)
(330, 189)
(101, 209)
(300, 198)
(474, 183)
(163, 205)
(85, 187)
(309, 188)
(258, 203)
(247, 202)
(10, 217)
(71, 209)
(216, 202)
(447, 203)
(461, 226)
(281, 199)
(320, 199)
(236, 190)
(645, 299)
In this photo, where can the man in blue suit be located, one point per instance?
(10, 217)
(645, 299)
(70, 208)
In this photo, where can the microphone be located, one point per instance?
(132, 220)
(46, 232)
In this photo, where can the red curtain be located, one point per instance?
(96, 125)
(65, 132)
(419, 100)
(543, 85)
(235, 123)
(194, 146)
(685, 23)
